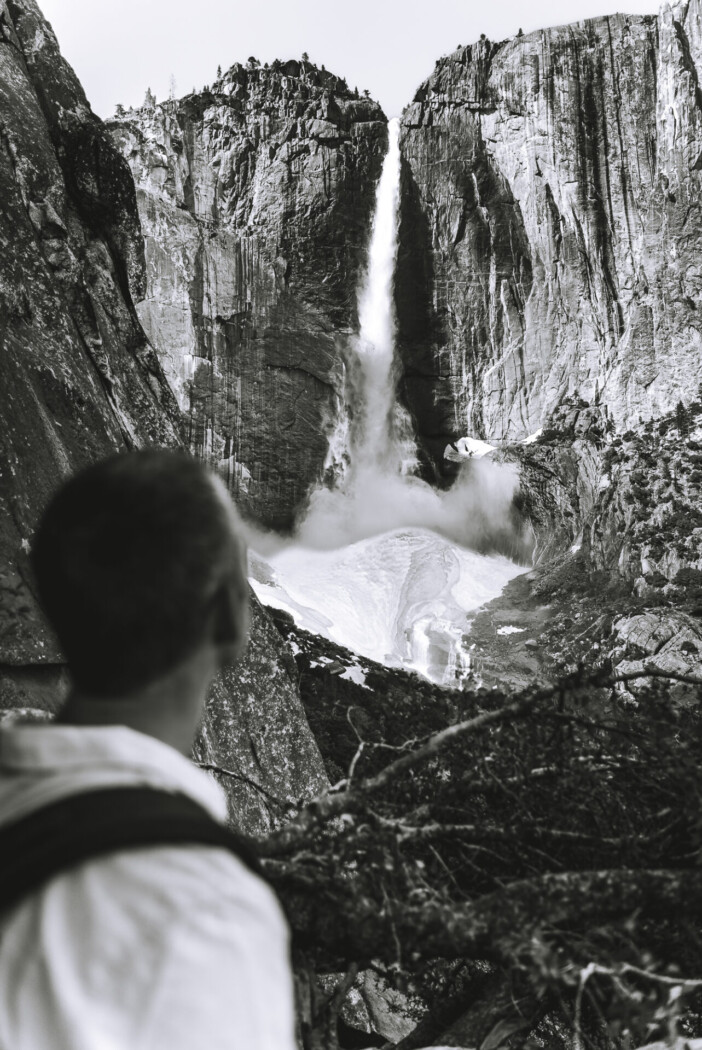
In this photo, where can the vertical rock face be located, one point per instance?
(77, 375)
(255, 728)
(79, 380)
(551, 227)
(255, 200)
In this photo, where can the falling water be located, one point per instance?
(375, 442)
(382, 561)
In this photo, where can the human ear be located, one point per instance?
(230, 621)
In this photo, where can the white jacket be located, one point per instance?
(161, 948)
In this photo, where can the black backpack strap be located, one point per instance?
(84, 826)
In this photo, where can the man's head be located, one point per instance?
(139, 561)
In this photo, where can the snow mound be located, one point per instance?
(467, 448)
(400, 598)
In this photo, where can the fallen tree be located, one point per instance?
(529, 871)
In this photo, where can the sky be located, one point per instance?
(118, 48)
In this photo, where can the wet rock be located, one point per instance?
(560, 474)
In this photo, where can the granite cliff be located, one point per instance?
(548, 286)
(548, 243)
(255, 197)
(551, 227)
(78, 377)
(80, 380)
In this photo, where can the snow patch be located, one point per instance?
(400, 598)
(510, 629)
(533, 437)
(467, 448)
(355, 673)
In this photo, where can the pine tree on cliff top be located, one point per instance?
(682, 419)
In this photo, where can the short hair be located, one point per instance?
(129, 559)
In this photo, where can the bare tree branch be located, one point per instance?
(432, 832)
(339, 918)
(331, 805)
(348, 797)
(651, 671)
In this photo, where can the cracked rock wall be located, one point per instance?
(255, 198)
(77, 376)
(550, 243)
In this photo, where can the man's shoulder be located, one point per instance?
(191, 895)
(200, 876)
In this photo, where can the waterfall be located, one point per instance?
(381, 561)
(376, 312)
(375, 345)
(381, 436)
(379, 491)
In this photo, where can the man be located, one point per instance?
(140, 566)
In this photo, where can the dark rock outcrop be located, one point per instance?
(646, 525)
(80, 380)
(255, 728)
(619, 530)
(551, 227)
(255, 198)
(560, 474)
(78, 377)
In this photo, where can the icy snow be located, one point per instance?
(400, 598)
(467, 448)
(355, 673)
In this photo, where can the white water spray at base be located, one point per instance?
(401, 598)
